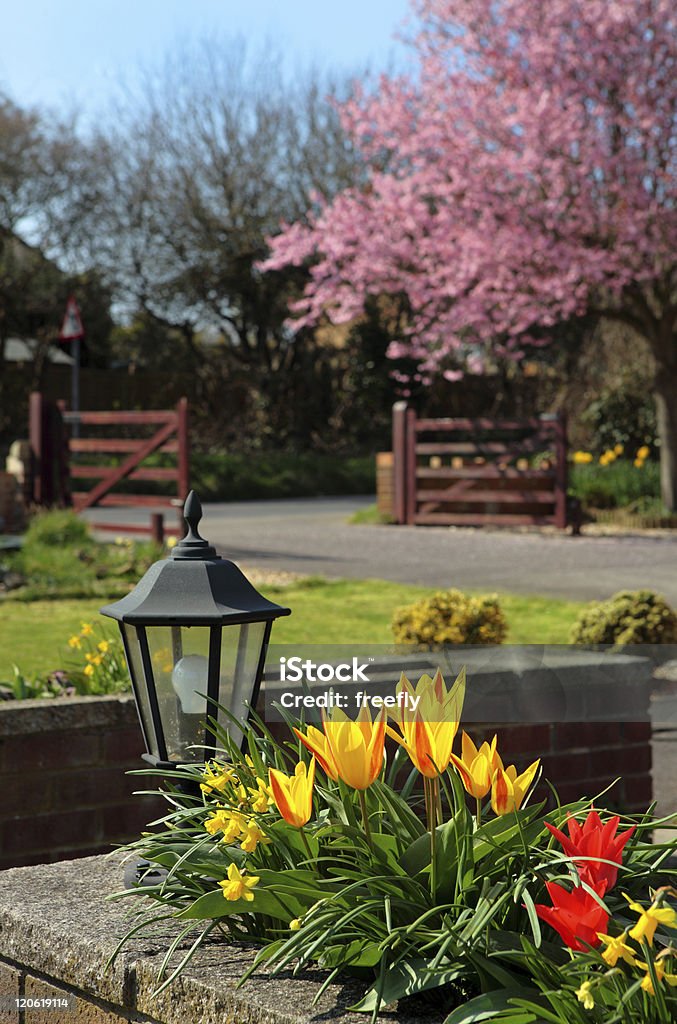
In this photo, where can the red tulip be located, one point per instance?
(575, 915)
(594, 840)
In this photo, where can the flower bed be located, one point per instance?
(428, 872)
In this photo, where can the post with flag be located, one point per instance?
(73, 332)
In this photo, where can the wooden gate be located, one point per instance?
(478, 472)
(58, 457)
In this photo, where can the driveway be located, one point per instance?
(312, 536)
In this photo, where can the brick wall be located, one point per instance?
(583, 758)
(64, 789)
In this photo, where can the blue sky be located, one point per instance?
(62, 53)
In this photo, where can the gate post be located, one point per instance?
(411, 467)
(400, 462)
(561, 471)
(35, 439)
(183, 457)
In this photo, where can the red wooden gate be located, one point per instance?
(478, 472)
(53, 445)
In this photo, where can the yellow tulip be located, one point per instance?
(508, 789)
(318, 745)
(428, 733)
(477, 767)
(357, 746)
(293, 794)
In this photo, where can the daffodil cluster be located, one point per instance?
(102, 668)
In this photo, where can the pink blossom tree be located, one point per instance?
(523, 174)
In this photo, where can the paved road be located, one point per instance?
(312, 536)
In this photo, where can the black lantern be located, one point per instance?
(195, 633)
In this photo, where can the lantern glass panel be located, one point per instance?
(130, 639)
(180, 659)
(240, 654)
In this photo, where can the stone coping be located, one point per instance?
(30, 716)
(55, 921)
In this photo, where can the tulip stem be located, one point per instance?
(478, 811)
(304, 837)
(431, 792)
(365, 818)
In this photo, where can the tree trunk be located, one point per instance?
(666, 410)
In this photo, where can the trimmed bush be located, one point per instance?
(450, 617)
(629, 617)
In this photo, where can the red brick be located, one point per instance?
(638, 790)
(574, 735)
(51, 751)
(637, 732)
(124, 746)
(50, 831)
(524, 740)
(126, 821)
(566, 767)
(91, 788)
(618, 761)
(25, 790)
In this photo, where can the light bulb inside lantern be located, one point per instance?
(189, 679)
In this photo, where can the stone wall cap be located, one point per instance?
(55, 920)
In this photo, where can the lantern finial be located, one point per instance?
(193, 545)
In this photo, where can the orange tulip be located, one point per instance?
(508, 789)
(428, 733)
(477, 767)
(316, 742)
(293, 794)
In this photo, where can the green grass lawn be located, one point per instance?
(34, 635)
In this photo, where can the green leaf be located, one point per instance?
(358, 953)
(405, 825)
(503, 830)
(214, 904)
(486, 1006)
(405, 979)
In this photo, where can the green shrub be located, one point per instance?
(616, 485)
(450, 617)
(629, 617)
(57, 527)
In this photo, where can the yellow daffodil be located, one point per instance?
(89, 671)
(260, 798)
(94, 659)
(428, 732)
(477, 767)
(650, 919)
(75, 642)
(295, 925)
(216, 777)
(171, 542)
(617, 949)
(252, 836)
(238, 886)
(103, 646)
(582, 458)
(508, 789)
(643, 452)
(293, 794)
(661, 975)
(638, 463)
(87, 629)
(585, 996)
(618, 449)
(231, 823)
(318, 745)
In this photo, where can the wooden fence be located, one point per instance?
(474, 472)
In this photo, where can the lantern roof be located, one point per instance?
(194, 586)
